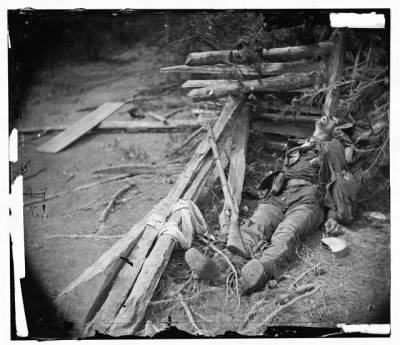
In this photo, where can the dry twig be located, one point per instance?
(254, 309)
(110, 205)
(87, 205)
(87, 186)
(105, 203)
(301, 276)
(186, 141)
(189, 315)
(280, 309)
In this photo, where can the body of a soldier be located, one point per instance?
(282, 221)
(284, 218)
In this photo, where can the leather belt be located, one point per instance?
(296, 182)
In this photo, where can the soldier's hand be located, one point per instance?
(332, 227)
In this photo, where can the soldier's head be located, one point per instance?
(325, 126)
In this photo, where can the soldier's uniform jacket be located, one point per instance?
(320, 162)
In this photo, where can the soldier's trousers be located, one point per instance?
(284, 221)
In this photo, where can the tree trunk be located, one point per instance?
(245, 71)
(274, 54)
(284, 82)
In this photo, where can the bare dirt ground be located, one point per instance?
(355, 289)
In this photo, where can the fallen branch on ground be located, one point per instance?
(303, 275)
(254, 309)
(142, 169)
(157, 117)
(104, 203)
(110, 205)
(263, 323)
(87, 205)
(189, 315)
(173, 112)
(87, 186)
(187, 141)
(100, 237)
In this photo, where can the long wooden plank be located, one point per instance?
(122, 285)
(241, 71)
(85, 294)
(237, 167)
(131, 316)
(335, 74)
(273, 54)
(284, 82)
(196, 83)
(142, 169)
(279, 118)
(106, 315)
(117, 300)
(80, 301)
(79, 128)
(133, 126)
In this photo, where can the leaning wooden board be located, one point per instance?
(79, 128)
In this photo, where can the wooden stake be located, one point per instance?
(335, 74)
(235, 241)
(237, 167)
(225, 188)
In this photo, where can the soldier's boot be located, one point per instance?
(253, 277)
(215, 269)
